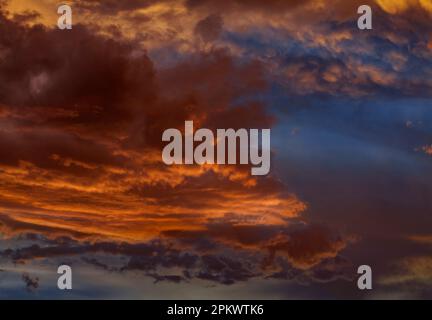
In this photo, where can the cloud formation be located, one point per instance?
(82, 118)
(82, 113)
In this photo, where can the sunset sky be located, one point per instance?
(82, 181)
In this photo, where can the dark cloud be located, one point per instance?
(307, 246)
(234, 256)
(82, 78)
(167, 278)
(304, 246)
(30, 282)
(209, 28)
(90, 85)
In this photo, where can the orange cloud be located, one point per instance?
(81, 146)
(427, 150)
(82, 117)
(400, 6)
(426, 239)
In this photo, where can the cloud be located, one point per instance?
(228, 260)
(384, 62)
(82, 114)
(82, 118)
(411, 270)
(400, 6)
(209, 28)
(11, 227)
(114, 7)
(248, 5)
(31, 283)
(425, 239)
(303, 246)
(306, 247)
(427, 149)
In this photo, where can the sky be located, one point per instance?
(82, 181)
